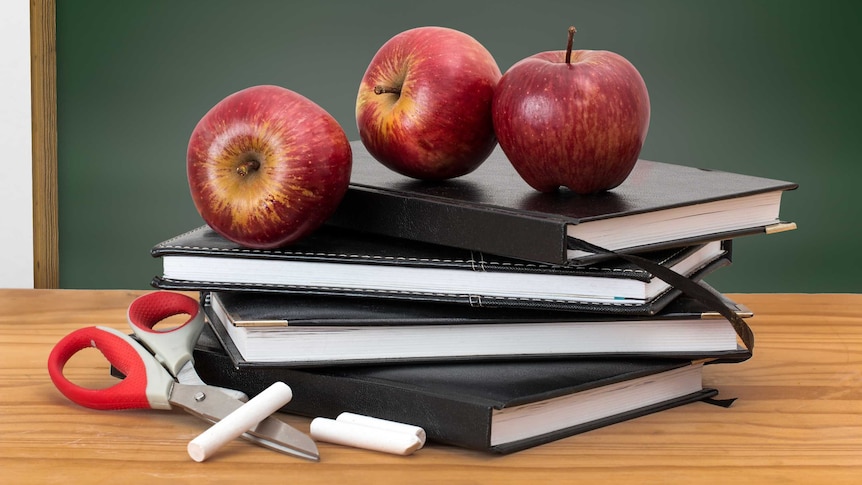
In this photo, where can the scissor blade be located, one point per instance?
(276, 434)
(212, 404)
(188, 375)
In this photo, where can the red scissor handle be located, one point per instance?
(148, 310)
(173, 347)
(146, 385)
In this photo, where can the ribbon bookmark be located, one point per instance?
(682, 283)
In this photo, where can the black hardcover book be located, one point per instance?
(500, 407)
(335, 261)
(494, 211)
(310, 330)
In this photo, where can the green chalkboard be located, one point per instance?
(768, 88)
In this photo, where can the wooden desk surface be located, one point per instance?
(798, 418)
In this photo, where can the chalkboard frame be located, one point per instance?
(43, 79)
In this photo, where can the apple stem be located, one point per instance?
(572, 31)
(383, 89)
(247, 166)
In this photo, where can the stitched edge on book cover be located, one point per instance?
(610, 307)
(476, 260)
(227, 347)
(686, 285)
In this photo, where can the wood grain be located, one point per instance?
(798, 417)
(43, 81)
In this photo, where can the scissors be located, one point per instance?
(152, 379)
(173, 348)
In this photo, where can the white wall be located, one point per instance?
(16, 189)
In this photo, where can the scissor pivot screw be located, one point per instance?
(200, 396)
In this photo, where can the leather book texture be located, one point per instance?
(494, 211)
(253, 309)
(260, 329)
(335, 261)
(457, 403)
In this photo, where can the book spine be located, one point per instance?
(504, 233)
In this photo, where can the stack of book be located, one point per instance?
(495, 317)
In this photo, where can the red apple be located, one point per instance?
(267, 166)
(424, 104)
(572, 118)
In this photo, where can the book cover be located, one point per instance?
(497, 407)
(335, 261)
(494, 211)
(307, 330)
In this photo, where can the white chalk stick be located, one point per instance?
(241, 420)
(366, 437)
(383, 424)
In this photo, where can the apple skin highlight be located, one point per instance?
(424, 103)
(267, 166)
(580, 125)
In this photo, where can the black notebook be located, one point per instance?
(500, 407)
(335, 261)
(311, 330)
(494, 211)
